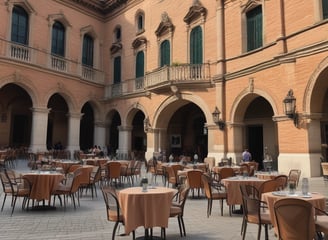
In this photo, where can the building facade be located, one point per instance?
(156, 77)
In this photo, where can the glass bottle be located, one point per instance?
(305, 186)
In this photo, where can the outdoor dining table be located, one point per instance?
(149, 208)
(43, 183)
(267, 175)
(232, 185)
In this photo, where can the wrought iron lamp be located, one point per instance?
(217, 120)
(290, 107)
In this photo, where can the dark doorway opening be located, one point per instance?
(255, 143)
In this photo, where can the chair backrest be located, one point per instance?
(294, 175)
(294, 219)
(206, 179)
(111, 203)
(281, 181)
(244, 167)
(182, 195)
(95, 175)
(226, 172)
(194, 178)
(269, 186)
(5, 182)
(251, 203)
(114, 169)
(210, 161)
(75, 181)
(137, 168)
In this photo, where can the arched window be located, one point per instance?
(87, 54)
(117, 69)
(140, 22)
(58, 39)
(140, 64)
(196, 46)
(165, 53)
(118, 34)
(19, 25)
(254, 28)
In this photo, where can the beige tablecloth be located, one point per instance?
(43, 184)
(148, 209)
(232, 185)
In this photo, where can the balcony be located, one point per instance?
(184, 76)
(35, 57)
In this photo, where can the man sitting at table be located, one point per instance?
(247, 157)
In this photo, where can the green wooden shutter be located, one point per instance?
(117, 70)
(58, 39)
(87, 54)
(140, 70)
(19, 26)
(196, 46)
(254, 28)
(165, 53)
(324, 9)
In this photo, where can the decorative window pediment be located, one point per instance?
(22, 3)
(138, 42)
(88, 30)
(58, 17)
(165, 26)
(250, 5)
(115, 48)
(196, 11)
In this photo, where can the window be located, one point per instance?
(117, 69)
(165, 53)
(117, 34)
(87, 55)
(324, 9)
(196, 46)
(254, 28)
(19, 25)
(140, 60)
(140, 22)
(58, 39)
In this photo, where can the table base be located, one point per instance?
(42, 208)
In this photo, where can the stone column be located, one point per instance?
(39, 129)
(74, 120)
(124, 145)
(100, 134)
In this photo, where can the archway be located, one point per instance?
(15, 116)
(87, 127)
(57, 131)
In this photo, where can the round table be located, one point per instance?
(148, 209)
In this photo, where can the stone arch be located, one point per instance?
(241, 102)
(310, 92)
(24, 83)
(174, 102)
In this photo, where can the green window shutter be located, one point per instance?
(324, 9)
(19, 26)
(117, 70)
(165, 53)
(140, 71)
(87, 54)
(254, 28)
(196, 46)
(58, 39)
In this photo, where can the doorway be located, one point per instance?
(255, 143)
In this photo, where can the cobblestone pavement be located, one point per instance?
(89, 220)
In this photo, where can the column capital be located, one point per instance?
(40, 110)
(125, 128)
(75, 115)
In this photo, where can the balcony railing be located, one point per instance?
(181, 74)
(32, 56)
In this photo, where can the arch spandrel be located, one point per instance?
(66, 94)
(132, 110)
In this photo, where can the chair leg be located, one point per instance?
(180, 227)
(259, 232)
(3, 203)
(114, 230)
(163, 234)
(183, 226)
(244, 230)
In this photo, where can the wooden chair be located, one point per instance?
(294, 175)
(15, 189)
(225, 172)
(321, 223)
(113, 174)
(281, 181)
(253, 211)
(210, 161)
(172, 174)
(177, 208)
(113, 208)
(268, 186)
(69, 189)
(213, 193)
(294, 219)
(194, 178)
